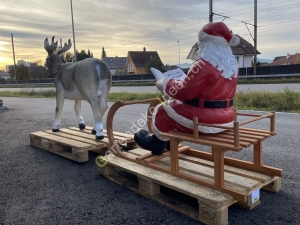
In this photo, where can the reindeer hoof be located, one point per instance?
(55, 130)
(81, 126)
(93, 131)
(99, 138)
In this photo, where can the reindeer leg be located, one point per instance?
(77, 108)
(98, 119)
(58, 111)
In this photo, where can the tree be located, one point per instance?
(37, 72)
(121, 71)
(22, 72)
(83, 55)
(154, 62)
(258, 63)
(2, 80)
(103, 54)
(68, 56)
(39, 62)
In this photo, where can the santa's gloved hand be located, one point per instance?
(161, 84)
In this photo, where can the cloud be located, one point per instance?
(123, 25)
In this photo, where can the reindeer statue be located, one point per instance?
(89, 80)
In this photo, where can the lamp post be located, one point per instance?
(75, 57)
(179, 53)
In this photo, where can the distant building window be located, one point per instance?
(237, 59)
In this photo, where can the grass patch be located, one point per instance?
(287, 101)
(29, 94)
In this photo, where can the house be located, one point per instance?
(285, 60)
(115, 63)
(5, 75)
(20, 63)
(136, 60)
(243, 52)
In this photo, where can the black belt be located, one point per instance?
(209, 103)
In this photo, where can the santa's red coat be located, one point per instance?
(203, 82)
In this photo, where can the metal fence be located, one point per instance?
(271, 70)
(262, 72)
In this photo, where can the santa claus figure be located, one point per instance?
(207, 92)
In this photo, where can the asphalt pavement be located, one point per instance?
(38, 187)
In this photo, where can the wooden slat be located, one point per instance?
(257, 133)
(62, 133)
(154, 158)
(257, 137)
(202, 141)
(206, 171)
(115, 133)
(257, 130)
(118, 136)
(242, 139)
(241, 172)
(71, 143)
(83, 134)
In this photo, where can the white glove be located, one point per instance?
(161, 84)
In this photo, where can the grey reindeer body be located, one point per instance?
(89, 79)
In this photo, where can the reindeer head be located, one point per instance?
(53, 56)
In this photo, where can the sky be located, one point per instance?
(169, 27)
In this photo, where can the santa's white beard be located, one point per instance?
(219, 56)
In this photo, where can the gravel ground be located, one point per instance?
(38, 187)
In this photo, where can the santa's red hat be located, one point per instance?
(217, 31)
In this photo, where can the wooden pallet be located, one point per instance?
(212, 205)
(74, 144)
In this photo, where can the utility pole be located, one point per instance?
(255, 37)
(13, 49)
(179, 53)
(75, 57)
(210, 11)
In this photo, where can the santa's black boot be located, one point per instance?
(149, 142)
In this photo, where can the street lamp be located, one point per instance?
(75, 57)
(179, 53)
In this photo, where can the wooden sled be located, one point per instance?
(234, 138)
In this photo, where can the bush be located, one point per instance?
(1, 102)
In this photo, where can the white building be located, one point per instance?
(243, 52)
(19, 63)
(4, 75)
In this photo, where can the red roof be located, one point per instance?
(285, 60)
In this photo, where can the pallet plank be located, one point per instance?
(68, 143)
(213, 205)
(64, 134)
(71, 143)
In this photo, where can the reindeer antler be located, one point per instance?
(65, 48)
(50, 48)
